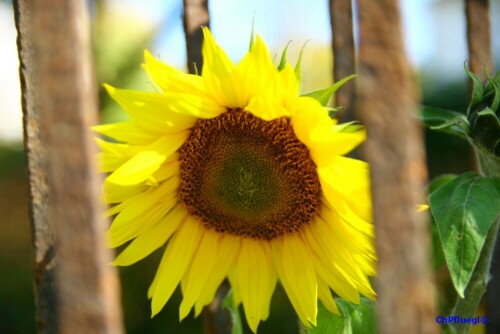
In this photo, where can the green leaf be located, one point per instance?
(464, 210)
(235, 313)
(439, 181)
(324, 95)
(445, 120)
(438, 258)
(477, 87)
(437, 250)
(354, 318)
(282, 63)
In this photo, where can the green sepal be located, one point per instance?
(333, 111)
(196, 70)
(445, 120)
(353, 318)
(324, 95)
(228, 303)
(493, 87)
(252, 35)
(486, 131)
(464, 209)
(298, 70)
(477, 89)
(349, 127)
(282, 63)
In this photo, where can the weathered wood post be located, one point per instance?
(76, 287)
(195, 16)
(344, 62)
(394, 149)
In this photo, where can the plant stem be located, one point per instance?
(489, 163)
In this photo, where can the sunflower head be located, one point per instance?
(242, 178)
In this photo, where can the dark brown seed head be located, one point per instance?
(248, 177)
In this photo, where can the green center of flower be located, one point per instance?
(248, 177)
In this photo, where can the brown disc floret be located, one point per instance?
(248, 177)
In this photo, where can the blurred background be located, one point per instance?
(436, 45)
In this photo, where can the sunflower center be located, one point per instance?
(248, 177)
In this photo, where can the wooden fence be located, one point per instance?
(76, 289)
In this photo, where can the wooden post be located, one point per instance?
(479, 37)
(343, 54)
(195, 17)
(394, 149)
(76, 287)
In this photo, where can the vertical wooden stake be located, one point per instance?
(195, 17)
(59, 106)
(343, 54)
(479, 37)
(394, 149)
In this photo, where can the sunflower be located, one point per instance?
(241, 178)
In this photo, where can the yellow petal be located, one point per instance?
(328, 143)
(328, 270)
(292, 258)
(266, 108)
(256, 285)
(288, 87)
(128, 132)
(256, 69)
(348, 180)
(141, 212)
(194, 105)
(146, 162)
(357, 241)
(422, 207)
(219, 74)
(199, 270)
(166, 170)
(137, 169)
(153, 111)
(235, 286)
(325, 295)
(176, 259)
(278, 98)
(318, 132)
(307, 116)
(114, 193)
(113, 155)
(151, 239)
(342, 209)
(336, 252)
(227, 253)
(170, 79)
